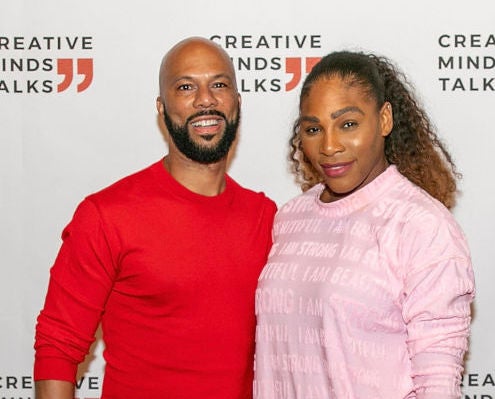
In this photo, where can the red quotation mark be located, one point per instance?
(66, 69)
(293, 66)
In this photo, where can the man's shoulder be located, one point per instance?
(128, 186)
(250, 195)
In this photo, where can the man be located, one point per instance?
(166, 259)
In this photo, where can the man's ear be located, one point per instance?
(159, 106)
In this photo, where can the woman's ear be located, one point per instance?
(386, 119)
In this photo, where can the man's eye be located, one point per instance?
(219, 85)
(185, 86)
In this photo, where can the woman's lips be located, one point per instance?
(336, 169)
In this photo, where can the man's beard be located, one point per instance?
(197, 152)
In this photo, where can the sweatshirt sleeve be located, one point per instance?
(80, 281)
(438, 291)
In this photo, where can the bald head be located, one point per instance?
(195, 55)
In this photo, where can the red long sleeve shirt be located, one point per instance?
(171, 276)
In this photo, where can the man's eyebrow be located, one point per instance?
(336, 114)
(222, 75)
(217, 76)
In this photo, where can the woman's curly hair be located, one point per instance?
(413, 145)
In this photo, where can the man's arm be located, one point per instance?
(54, 389)
(80, 282)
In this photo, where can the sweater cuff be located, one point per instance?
(54, 369)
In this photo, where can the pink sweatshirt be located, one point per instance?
(367, 297)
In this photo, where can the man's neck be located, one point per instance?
(208, 180)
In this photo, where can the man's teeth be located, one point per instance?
(206, 122)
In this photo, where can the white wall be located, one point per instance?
(56, 147)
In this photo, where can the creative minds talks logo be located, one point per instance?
(58, 64)
(271, 63)
(466, 62)
(45, 64)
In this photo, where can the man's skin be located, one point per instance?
(195, 75)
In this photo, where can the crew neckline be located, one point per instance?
(172, 185)
(359, 199)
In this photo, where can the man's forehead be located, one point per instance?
(198, 62)
(196, 58)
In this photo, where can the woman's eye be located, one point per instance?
(311, 130)
(349, 124)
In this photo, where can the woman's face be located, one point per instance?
(343, 135)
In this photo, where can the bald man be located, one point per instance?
(166, 259)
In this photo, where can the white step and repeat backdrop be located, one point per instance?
(78, 82)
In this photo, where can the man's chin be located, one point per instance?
(207, 137)
(206, 140)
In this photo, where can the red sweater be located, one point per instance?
(171, 276)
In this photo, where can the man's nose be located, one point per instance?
(205, 98)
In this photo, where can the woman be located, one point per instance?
(368, 287)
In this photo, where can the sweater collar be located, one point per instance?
(359, 199)
(174, 187)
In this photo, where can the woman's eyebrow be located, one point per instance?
(352, 108)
